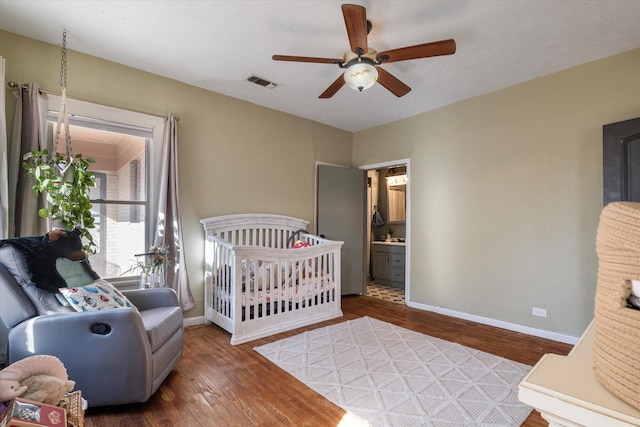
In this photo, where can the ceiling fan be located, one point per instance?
(362, 63)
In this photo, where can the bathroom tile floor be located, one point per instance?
(386, 293)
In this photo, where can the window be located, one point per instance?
(126, 150)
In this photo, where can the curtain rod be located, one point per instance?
(15, 85)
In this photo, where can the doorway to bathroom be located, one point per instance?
(388, 222)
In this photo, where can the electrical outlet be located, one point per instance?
(540, 312)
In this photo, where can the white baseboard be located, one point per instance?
(554, 336)
(193, 321)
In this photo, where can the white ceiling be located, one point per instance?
(216, 45)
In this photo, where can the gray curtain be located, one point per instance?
(168, 227)
(29, 134)
(4, 163)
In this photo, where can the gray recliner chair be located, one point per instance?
(115, 356)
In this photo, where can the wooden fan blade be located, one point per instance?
(335, 87)
(425, 50)
(392, 84)
(306, 59)
(355, 19)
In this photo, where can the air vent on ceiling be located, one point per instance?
(262, 82)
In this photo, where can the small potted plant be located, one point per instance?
(151, 271)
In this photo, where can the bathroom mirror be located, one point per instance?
(397, 203)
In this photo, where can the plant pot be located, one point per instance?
(67, 172)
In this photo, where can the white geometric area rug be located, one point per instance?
(391, 376)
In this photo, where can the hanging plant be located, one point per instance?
(65, 184)
(65, 181)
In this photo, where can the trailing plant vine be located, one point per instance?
(65, 184)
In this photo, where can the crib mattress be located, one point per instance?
(297, 293)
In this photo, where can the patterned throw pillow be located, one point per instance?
(99, 295)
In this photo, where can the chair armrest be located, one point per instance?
(145, 299)
(104, 351)
(80, 333)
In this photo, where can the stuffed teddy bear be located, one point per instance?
(42, 252)
(40, 378)
(56, 244)
(46, 388)
(67, 244)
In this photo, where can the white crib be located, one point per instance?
(257, 284)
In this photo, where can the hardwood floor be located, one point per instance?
(216, 384)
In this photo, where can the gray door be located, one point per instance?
(341, 206)
(621, 161)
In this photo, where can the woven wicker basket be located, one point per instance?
(616, 351)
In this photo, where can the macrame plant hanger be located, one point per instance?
(63, 118)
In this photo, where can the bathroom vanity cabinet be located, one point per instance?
(388, 260)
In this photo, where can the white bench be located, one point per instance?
(567, 393)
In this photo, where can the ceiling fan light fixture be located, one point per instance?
(361, 75)
(362, 62)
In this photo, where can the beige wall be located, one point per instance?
(233, 156)
(506, 191)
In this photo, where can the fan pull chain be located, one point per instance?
(62, 115)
